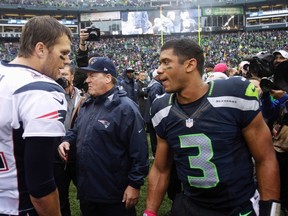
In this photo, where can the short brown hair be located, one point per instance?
(44, 29)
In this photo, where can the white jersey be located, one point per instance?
(35, 105)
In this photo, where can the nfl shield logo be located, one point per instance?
(189, 123)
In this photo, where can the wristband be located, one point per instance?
(149, 213)
(269, 208)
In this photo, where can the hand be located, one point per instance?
(277, 94)
(130, 197)
(62, 149)
(83, 36)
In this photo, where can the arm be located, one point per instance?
(47, 205)
(83, 37)
(39, 176)
(82, 53)
(158, 178)
(258, 138)
(268, 106)
(131, 196)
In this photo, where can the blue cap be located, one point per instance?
(100, 65)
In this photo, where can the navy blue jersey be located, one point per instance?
(212, 158)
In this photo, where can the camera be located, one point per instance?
(261, 65)
(267, 84)
(94, 33)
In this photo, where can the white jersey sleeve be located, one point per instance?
(39, 104)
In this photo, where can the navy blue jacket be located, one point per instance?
(112, 150)
(131, 87)
(154, 89)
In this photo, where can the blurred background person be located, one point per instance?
(65, 172)
(142, 92)
(274, 109)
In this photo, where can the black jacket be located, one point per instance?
(112, 150)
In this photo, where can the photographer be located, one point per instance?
(82, 53)
(87, 34)
(274, 109)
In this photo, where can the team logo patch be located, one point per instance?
(251, 91)
(59, 115)
(105, 123)
(189, 123)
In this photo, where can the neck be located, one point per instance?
(191, 94)
(70, 90)
(29, 62)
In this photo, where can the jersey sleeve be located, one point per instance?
(41, 107)
(236, 98)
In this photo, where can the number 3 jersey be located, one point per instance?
(31, 105)
(212, 158)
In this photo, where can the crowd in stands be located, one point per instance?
(142, 52)
(83, 3)
(75, 3)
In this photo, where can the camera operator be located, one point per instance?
(87, 34)
(82, 53)
(274, 109)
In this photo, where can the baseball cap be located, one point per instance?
(220, 67)
(129, 69)
(100, 65)
(282, 52)
(216, 76)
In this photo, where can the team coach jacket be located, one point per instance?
(111, 144)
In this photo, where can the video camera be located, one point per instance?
(261, 65)
(94, 33)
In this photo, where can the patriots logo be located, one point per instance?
(59, 115)
(92, 60)
(105, 123)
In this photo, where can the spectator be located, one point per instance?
(129, 84)
(142, 92)
(110, 138)
(216, 76)
(65, 172)
(280, 56)
(211, 137)
(208, 67)
(243, 68)
(232, 72)
(274, 110)
(33, 108)
(221, 67)
(154, 89)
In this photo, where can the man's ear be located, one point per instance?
(40, 49)
(191, 64)
(108, 78)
